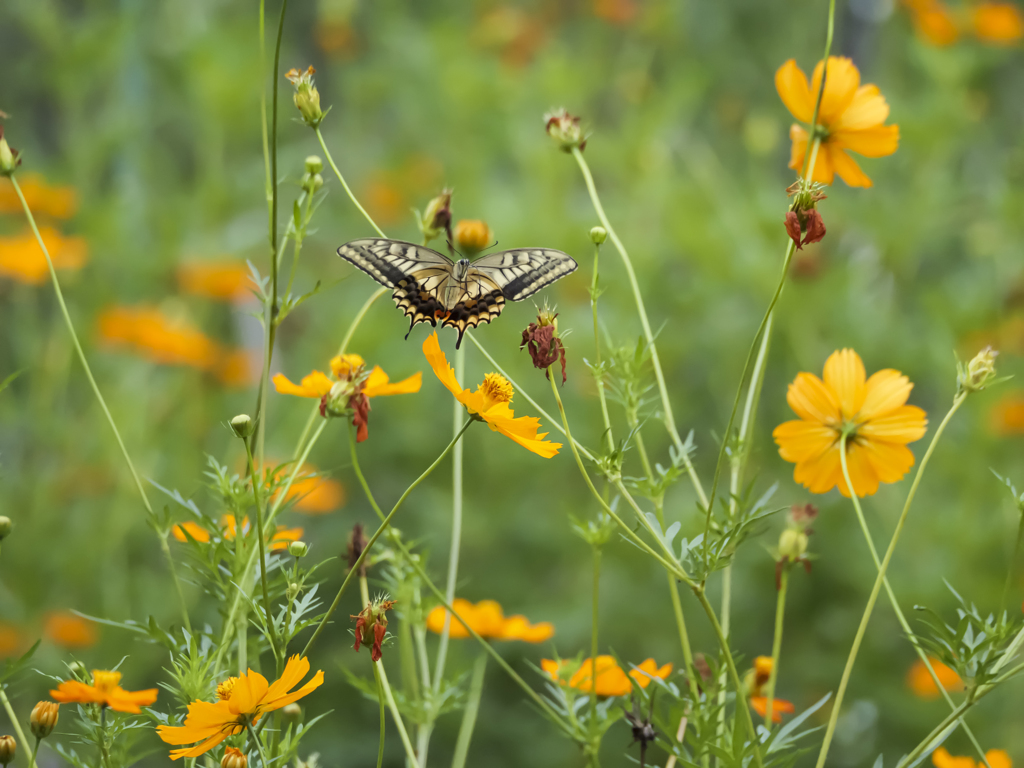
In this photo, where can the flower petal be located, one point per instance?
(880, 141)
(760, 705)
(841, 84)
(822, 474)
(798, 135)
(295, 669)
(200, 749)
(846, 167)
(803, 440)
(316, 384)
(121, 700)
(439, 363)
(886, 390)
(378, 384)
(73, 691)
(315, 682)
(902, 425)
(844, 376)
(248, 692)
(868, 109)
(791, 83)
(811, 400)
(862, 473)
(891, 461)
(203, 720)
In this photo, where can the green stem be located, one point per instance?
(403, 734)
(344, 184)
(1013, 562)
(35, 753)
(104, 750)
(476, 688)
(666, 404)
(300, 233)
(95, 387)
(380, 699)
(900, 616)
(594, 614)
(684, 638)
(866, 617)
(780, 613)
(15, 723)
(255, 480)
(264, 763)
(383, 526)
(599, 376)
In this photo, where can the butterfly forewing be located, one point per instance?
(426, 289)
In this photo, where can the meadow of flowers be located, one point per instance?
(743, 489)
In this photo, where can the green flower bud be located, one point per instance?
(9, 158)
(298, 549)
(307, 97)
(979, 372)
(792, 544)
(314, 164)
(598, 235)
(242, 425)
(5, 527)
(292, 713)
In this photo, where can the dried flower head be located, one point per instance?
(542, 341)
(437, 218)
(803, 221)
(372, 626)
(356, 544)
(307, 97)
(565, 129)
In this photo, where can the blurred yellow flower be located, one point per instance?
(316, 495)
(611, 679)
(490, 403)
(487, 619)
(997, 758)
(934, 21)
(10, 640)
(223, 281)
(158, 338)
(22, 260)
(238, 368)
(105, 691)
(779, 706)
(920, 681)
(873, 414)
(999, 24)
(851, 118)
(472, 236)
(57, 202)
(69, 630)
(282, 538)
(1008, 415)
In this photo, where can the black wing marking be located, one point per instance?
(521, 272)
(480, 301)
(388, 261)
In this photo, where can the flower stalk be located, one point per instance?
(780, 613)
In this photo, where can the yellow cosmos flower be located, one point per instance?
(487, 619)
(920, 681)
(228, 281)
(490, 403)
(851, 118)
(58, 202)
(282, 538)
(105, 691)
(999, 24)
(69, 630)
(872, 414)
(242, 701)
(22, 260)
(318, 384)
(612, 680)
(997, 758)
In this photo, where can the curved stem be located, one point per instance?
(599, 376)
(15, 723)
(344, 184)
(780, 613)
(380, 699)
(476, 688)
(383, 526)
(255, 480)
(866, 617)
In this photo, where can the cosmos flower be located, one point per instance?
(105, 691)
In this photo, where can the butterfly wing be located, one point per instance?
(507, 275)
(418, 275)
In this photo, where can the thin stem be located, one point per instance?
(264, 763)
(599, 375)
(95, 387)
(476, 688)
(844, 681)
(15, 723)
(410, 753)
(666, 404)
(299, 237)
(344, 184)
(594, 614)
(1013, 561)
(780, 613)
(104, 750)
(380, 699)
(271, 627)
(684, 637)
(383, 526)
(35, 753)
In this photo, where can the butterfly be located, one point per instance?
(428, 286)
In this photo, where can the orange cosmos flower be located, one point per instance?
(873, 414)
(851, 118)
(934, 21)
(10, 640)
(611, 679)
(316, 495)
(997, 758)
(920, 681)
(490, 403)
(58, 202)
(999, 24)
(158, 338)
(22, 260)
(779, 706)
(238, 368)
(224, 281)
(282, 538)
(1008, 415)
(488, 620)
(69, 630)
(241, 701)
(473, 235)
(104, 691)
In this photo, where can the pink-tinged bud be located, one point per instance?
(565, 130)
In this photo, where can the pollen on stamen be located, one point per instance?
(496, 388)
(224, 689)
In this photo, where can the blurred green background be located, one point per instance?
(149, 110)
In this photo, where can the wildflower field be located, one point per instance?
(604, 382)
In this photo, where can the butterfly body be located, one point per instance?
(428, 286)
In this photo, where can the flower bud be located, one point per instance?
(598, 235)
(437, 218)
(307, 97)
(9, 158)
(311, 182)
(472, 236)
(356, 544)
(298, 549)
(979, 372)
(314, 164)
(565, 130)
(293, 591)
(292, 713)
(792, 544)
(79, 671)
(8, 746)
(5, 527)
(234, 758)
(241, 425)
(44, 718)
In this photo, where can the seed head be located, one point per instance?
(978, 373)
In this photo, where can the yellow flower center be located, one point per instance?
(496, 389)
(105, 682)
(346, 366)
(224, 689)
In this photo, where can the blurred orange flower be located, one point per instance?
(999, 24)
(238, 368)
(385, 200)
(158, 338)
(920, 681)
(281, 540)
(316, 495)
(10, 640)
(1008, 415)
(488, 620)
(851, 118)
(58, 202)
(615, 11)
(336, 38)
(69, 630)
(22, 259)
(473, 235)
(934, 21)
(997, 758)
(779, 706)
(106, 691)
(611, 679)
(512, 32)
(223, 281)
(872, 413)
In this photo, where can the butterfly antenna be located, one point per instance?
(452, 250)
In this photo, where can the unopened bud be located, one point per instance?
(241, 425)
(437, 218)
(311, 182)
(298, 549)
(5, 527)
(792, 544)
(44, 718)
(565, 130)
(234, 758)
(472, 236)
(598, 235)
(293, 591)
(979, 372)
(307, 97)
(8, 746)
(292, 713)
(9, 158)
(314, 164)
(79, 671)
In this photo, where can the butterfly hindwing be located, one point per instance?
(521, 272)
(480, 300)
